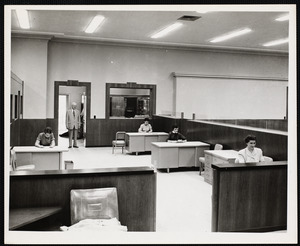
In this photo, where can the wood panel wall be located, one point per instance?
(101, 132)
(15, 133)
(273, 145)
(280, 125)
(164, 124)
(249, 199)
(29, 130)
(136, 194)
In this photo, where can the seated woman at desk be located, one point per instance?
(250, 153)
(45, 138)
(174, 135)
(145, 127)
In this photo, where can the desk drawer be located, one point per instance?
(208, 175)
(208, 160)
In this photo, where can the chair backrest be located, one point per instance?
(13, 160)
(120, 135)
(268, 159)
(218, 147)
(98, 203)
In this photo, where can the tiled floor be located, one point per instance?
(183, 198)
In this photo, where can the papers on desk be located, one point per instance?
(177, 141)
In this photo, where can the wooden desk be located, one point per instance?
(20, 217)
(249, 197)
(174, 155)
(136, 188)
(141, 142)
(217, 157)
(43, 158)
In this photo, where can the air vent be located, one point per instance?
(189, 18)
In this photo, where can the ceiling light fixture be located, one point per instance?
(277, 42)
(22, 15)
(283, 18)
(96, 21)
(230, 35)
(167, 30)
(202, 12)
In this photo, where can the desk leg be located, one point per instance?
(168, 170)
(136, 153)
(60, 161)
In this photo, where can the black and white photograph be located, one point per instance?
(160, 124)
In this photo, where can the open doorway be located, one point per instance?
(66, 92)
(67, 95)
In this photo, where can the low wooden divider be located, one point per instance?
(136, 188)
(249, 197)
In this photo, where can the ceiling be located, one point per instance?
(137, 27)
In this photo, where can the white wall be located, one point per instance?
(74, 92)
(225, 98)
(100, 64)
(29, 62)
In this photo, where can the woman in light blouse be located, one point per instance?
(250, 153)
(145, 127)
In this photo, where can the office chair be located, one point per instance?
(119, 141)
(202, 159)
(13, 163)
(94, 209)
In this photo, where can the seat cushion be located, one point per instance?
(119, 142)
(96, 225)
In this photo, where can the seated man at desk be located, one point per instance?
(145, 127)
(45, 138)
(174, 135)
(250, 153)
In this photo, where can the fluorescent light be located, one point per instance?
(94, 24)
(202, 12)
(283, 18)
(277, 42)
(231, 35)
(167, 30)
(22, 15)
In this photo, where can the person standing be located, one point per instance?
(73, 124)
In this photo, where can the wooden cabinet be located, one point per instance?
(217, 157)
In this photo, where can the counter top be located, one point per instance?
(111, 170)
(146, 133)
(24, 149)
(249, 165)
(179, 144)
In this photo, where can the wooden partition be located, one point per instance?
(249, 197)
(101, 132)
(273, 143)
(136, 188)
(280, 125)
(165, 123)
